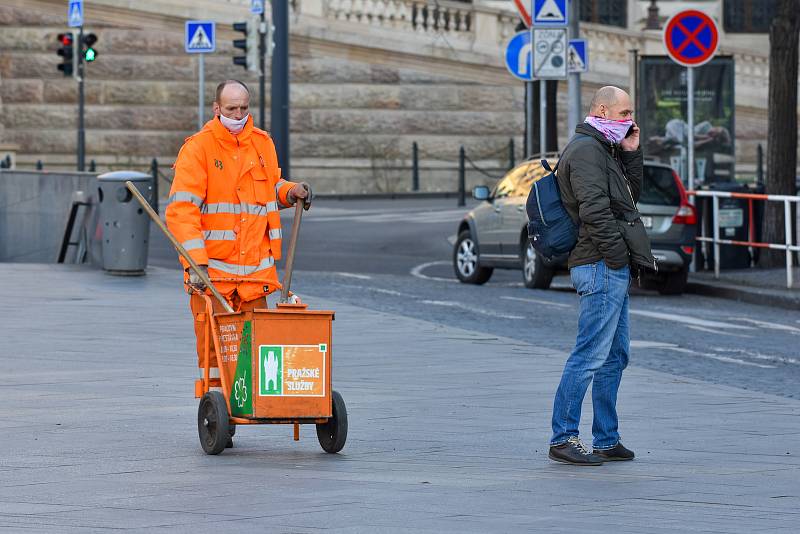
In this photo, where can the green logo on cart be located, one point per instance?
(241, 395)
(270, 370)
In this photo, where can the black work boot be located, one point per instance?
(573, 452)
(617, 453)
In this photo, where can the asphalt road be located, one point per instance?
(395, 256)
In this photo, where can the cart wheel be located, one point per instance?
(212, 422)
(333, 434)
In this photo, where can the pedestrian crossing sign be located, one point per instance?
(578, 56)
(75, 14)
(200, 37)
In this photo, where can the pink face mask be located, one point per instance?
(614, 130)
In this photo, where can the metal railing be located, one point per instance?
(751, 243)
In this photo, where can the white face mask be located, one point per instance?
(232, 125)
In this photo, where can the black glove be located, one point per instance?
(309, 195)
(195, 281)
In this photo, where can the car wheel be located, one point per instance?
(535, 274)
(674, 283)
(465, 261)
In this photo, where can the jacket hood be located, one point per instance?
(588, 129)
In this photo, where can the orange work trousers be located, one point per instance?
(198, 307)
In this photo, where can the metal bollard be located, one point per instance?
(414, 167)
(462, 177)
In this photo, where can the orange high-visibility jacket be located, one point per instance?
(223, 207)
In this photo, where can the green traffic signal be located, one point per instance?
(89, 53)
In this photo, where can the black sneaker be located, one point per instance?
(573, 452)
(618, 453)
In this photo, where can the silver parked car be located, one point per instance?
(494, 235)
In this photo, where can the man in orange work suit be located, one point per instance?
(223, 206)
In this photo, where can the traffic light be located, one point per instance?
(249, 45)
(67, 53)
(87, 50)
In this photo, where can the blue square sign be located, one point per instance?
(200, 37)
(550, 13)
(75, 14)
(578, 56)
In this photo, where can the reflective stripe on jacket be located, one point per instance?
(224, 203)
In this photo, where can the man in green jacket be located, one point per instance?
(600, 177)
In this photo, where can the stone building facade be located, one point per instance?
(368, 79)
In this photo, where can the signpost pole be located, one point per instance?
(574, 81)
(542, 117)
(262, 67)
(531, 87)
(200, 96)
(690, 121)
(528, 119)
(81, 100)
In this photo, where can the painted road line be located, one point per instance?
(686, 319)
(538, 301)
(417, 272)
(391, 292)
(354, 275)
(718, 332)
(467, 307)
(764, 357)
(768, 325)
(675, 348)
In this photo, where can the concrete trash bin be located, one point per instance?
(125, 225)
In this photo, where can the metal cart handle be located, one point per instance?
(287, 276)
(182, 251)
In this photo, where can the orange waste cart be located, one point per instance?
(274, 365)
(274, 368)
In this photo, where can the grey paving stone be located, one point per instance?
(448, 431)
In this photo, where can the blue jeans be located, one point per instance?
(601, 353)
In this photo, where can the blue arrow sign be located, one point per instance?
(75, 13)
(550, 13)
(200, 37)
(578, 56)
(256, 7)
(518, 56)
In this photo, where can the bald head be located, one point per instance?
(232, 99)
(611, 103)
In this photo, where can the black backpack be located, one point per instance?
(551, 230)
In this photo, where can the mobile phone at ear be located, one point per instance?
(630, 130)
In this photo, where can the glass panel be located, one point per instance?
(518, 182)
(659, 187)
(748, 16)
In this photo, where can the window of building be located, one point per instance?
(610, 12)
(748, 16)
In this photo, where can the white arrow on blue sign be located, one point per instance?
(518, 56)
(257, 7)
(200, 36)
(578, 56)
(550, 13)
(75, 14)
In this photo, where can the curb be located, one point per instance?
(751, 295)
(386, 196)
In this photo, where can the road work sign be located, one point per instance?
(549, 53)
(578, 56)
(75, 14)
(550, 13)
(199, 37)
(518, 56)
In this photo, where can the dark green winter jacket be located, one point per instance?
(600, 186)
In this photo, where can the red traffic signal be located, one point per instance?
(66, 52)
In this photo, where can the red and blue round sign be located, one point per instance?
(691, 38)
